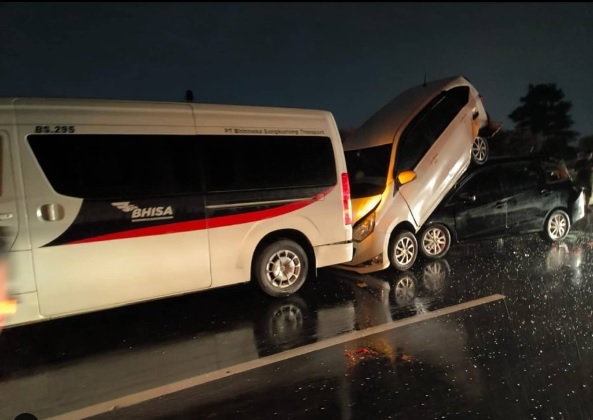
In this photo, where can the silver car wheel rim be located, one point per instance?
(283, 269)
(434, 241)
(479, 149)
(404, 251)
(557, 226)
(405, 290)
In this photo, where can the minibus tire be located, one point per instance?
(281, 268)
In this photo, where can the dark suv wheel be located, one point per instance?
(557, 226)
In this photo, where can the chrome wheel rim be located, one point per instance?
(405, 290)
(404, 251)
(479, 149)
(283, 269)
(558, 226)
(434, 241)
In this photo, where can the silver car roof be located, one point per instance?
(384, 126)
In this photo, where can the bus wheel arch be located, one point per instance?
(282, 262)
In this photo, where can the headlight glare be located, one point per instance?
(364, 228)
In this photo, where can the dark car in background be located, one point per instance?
(505, 197)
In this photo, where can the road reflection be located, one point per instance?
(66, 364)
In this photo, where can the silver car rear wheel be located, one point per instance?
(480, 150)
(435, 241)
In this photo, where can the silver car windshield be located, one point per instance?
(367, 170)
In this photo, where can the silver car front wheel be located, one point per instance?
(403, 250)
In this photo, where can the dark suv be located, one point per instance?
(504, 197)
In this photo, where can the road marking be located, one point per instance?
(160, 391)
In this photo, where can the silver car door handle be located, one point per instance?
(6, 216)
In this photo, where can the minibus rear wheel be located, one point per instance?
(281, 268)
(403, 250)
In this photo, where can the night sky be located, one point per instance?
(347, 58)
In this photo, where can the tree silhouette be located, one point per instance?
(586, 143)
(543, 118)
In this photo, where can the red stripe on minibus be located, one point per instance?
(214, 222)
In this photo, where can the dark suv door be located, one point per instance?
(525, 192)
(534, 189)
(480, 205)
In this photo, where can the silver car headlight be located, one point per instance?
(364, 228)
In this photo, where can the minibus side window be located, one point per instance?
(119, 166)
(240, 163)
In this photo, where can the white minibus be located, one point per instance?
(107, 203)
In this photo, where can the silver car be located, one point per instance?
(404, 160)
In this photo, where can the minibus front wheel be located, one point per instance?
(403, 250)
(281, 268)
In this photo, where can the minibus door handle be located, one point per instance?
(50, 212)
(6, 216)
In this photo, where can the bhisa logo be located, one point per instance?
(141, 214)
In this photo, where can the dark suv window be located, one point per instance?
(482, 187)
(523, 176)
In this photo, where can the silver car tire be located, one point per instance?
(403, 250)
(435, 241)
(480, 150)
(281, 268)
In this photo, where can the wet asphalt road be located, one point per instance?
(498, 329)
